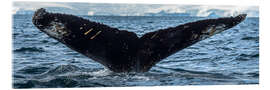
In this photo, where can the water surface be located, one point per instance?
(228, 58)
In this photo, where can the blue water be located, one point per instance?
(228, 58)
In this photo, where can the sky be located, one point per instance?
(135, 9)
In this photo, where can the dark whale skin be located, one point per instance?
(124, 51)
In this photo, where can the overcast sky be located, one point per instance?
(138, 9)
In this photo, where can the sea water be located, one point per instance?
(228, 58)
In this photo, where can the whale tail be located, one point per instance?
(162, 43)
(121, 50)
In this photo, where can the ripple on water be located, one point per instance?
(29, 49)
(251, 38)
(247, 56)
(56, 83)
(63, 69)
(33, 70)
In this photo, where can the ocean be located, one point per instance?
(228, 58)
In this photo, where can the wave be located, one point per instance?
(74, 76)
(29, 49)
(63, 69)
(33, 70)
(56, 82)
(251, 38)
(247, 56)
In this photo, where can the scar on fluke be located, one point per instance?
(95, 35)
(154, 35)
(81, 28)
(212, 31)
(88, 31)
(194, 36)
(122, 50)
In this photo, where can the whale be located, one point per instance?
(122, 50)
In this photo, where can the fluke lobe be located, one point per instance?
(124, 51)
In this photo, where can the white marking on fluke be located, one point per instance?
(88, 31)
(56, 30)
(95, 35)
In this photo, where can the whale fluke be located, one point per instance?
(124, 51)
